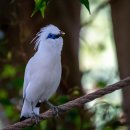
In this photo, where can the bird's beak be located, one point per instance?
(62, 33)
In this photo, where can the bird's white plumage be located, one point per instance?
(43, 71)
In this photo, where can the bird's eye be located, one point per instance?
(53, 36)
(50, 36)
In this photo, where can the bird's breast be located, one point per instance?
(45, 76)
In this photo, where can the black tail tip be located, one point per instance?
(23, 118)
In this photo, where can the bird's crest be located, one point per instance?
(38, 38)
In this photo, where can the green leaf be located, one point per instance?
(40, 5)
(86, 3)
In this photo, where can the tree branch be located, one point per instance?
(72, 104)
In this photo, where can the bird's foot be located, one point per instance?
(36, 117)
(55, 109)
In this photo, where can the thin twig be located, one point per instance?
(72, 104)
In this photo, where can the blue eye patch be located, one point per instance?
(53, 36)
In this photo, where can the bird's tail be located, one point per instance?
(27, 110)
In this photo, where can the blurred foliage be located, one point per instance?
(106, 116)
(8, 71)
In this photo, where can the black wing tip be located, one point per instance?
(38, 104)
(23, 118)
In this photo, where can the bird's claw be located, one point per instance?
(55, 111)
(36, 118)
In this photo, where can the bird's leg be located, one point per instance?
(34, 115)
(54, 108)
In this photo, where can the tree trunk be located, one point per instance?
(121, 26)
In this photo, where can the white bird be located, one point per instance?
(43, 71)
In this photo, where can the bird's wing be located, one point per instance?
(27, 76)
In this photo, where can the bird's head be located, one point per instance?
(50, 37)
